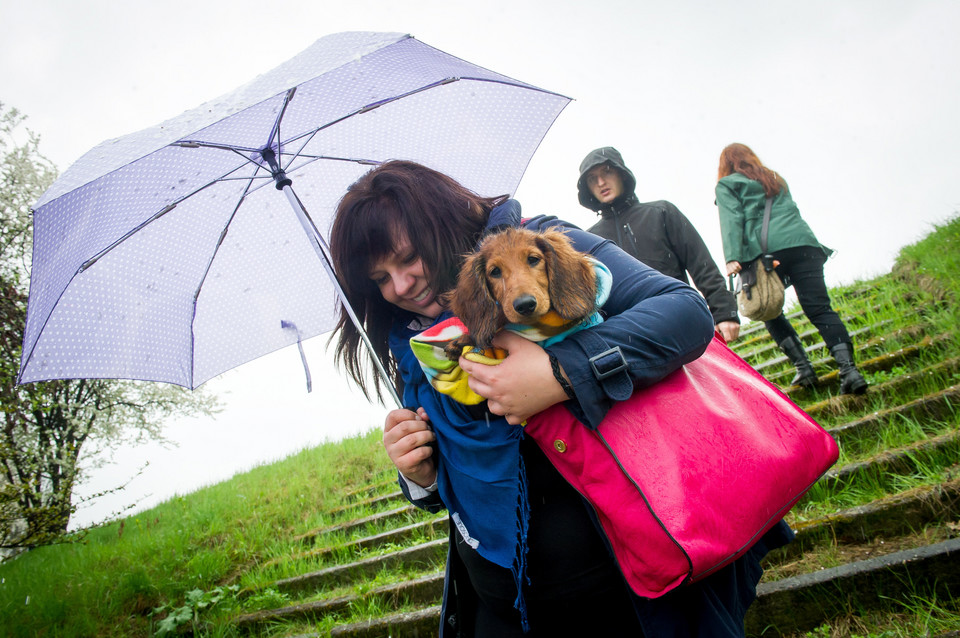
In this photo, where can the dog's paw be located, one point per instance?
(454, 348)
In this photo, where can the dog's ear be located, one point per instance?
(473, 303)
(572, 282)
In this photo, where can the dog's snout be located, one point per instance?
(525, 304)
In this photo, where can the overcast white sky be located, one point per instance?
(855, 103)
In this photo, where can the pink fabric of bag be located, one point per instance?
(687, 474)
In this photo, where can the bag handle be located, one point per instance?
(767, 263)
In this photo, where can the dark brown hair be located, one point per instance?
(443, 221)
(738, 158)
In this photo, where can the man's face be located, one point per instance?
(605, 183)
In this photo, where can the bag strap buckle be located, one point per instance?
(608, 363)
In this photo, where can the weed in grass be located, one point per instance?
(881, 376)
(268, 598)
(195, 603)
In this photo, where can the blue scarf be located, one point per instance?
(480, 474)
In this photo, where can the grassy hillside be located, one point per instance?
(261, 553)
(111, 584)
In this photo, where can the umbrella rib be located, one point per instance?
(309, 135)
(166, 209)
(314, 158)
(206, 272)
(275, 131)
(247, 152)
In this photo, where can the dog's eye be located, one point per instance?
(533, 260)
(495, 273)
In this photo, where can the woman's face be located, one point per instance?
(402, 280)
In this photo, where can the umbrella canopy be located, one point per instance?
(169, 254)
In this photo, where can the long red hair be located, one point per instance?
(739, 158)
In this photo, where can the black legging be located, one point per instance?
(803, 267)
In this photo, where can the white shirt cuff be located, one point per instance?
(417, 492)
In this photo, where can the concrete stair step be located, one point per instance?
(425, 590)
(901, 461)
(426, 554)
(764, 363)
(886, 518)
(897, 386)
(804, 602)
(404, 512)
(371, 489)
(401, 535)
(939, 406)
(374, 501)
(817, 353)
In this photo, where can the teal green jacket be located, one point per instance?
(741, 201)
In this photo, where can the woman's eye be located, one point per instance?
(495, 273)
(409, 259)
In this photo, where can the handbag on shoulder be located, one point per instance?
(761, 295)
(687, 474)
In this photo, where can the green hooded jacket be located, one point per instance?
(741, 201)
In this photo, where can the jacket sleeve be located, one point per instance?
(696, 259)
(429, 501)
(731, 222)
(653, 324)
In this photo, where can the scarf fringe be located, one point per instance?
(519, 568)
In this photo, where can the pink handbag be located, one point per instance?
(687, 474)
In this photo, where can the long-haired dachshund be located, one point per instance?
(518, 276)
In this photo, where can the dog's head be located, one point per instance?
(517, 276)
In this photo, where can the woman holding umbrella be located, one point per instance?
(526, 557)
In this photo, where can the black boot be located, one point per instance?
(792, 347)
(851, 381)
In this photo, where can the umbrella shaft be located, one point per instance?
(319, 245)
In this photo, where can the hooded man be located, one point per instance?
(656, 233)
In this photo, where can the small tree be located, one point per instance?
(46, 426)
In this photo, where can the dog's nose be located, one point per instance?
(525, 304)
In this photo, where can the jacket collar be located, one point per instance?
(618, 206)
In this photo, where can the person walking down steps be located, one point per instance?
(656, 233)
(743, 184)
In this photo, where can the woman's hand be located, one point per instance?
(407, 438)
(519, 386)
(733, 267)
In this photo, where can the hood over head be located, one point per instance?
(605, 155)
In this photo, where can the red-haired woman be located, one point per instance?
(743, 186)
